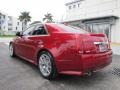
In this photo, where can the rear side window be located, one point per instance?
(72, 29)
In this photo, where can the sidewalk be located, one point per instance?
(5, 40)
(115, 49)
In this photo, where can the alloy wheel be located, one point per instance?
(45, 65)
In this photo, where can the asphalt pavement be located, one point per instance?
(17, 74)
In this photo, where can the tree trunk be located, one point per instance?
(24, 25)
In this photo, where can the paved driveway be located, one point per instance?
(17, 74)
(6, 40)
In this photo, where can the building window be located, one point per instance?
(9, 24)
(69, 7)
(74, 6)
(2, 21)
(17, 23)
(16, 28)
(9, 29)
(4, 16)
(100, 28)
(78, 5)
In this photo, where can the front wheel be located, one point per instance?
(46, 65)
(11, 50)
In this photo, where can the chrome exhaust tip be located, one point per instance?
(89, 73)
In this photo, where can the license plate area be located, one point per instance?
(103, 47)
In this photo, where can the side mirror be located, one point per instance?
(18, 34)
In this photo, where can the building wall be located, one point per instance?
(88, 9)
(16, 24)
(9, 24)
(115, 32)
(92, 8)
(3, 20)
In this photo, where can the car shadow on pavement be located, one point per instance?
(98, 81)
(68, 82)
(24, 63)
(64, 82)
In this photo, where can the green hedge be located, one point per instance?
(7, 33)
(7, 36)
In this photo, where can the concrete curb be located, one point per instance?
(115, 44)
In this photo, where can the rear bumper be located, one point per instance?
(89, 63)
(94, 62)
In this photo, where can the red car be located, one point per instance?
(62, 49)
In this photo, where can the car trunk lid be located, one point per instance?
(94, 43)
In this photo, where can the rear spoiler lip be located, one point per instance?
(99, 43)
(100, 35)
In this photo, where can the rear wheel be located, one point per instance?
(46, 65)
(11, 50)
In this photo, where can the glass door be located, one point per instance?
(103, 28)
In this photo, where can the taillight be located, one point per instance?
(97, 48)
(108, 42)
(89, 48)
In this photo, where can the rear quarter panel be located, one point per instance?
(65, 51)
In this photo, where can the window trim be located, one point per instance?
(35, 25)
(26, 30)
(45, 30)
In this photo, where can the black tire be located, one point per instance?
(53, 71)
(11, 50)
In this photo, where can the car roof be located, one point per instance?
(53, 27)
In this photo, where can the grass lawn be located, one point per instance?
(7, 36)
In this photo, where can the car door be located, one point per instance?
(18, 45)
(32, 41)
(20, 41)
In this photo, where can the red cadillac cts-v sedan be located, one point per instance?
(62, 49)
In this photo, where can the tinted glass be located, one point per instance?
(40, 30)
(71, 29)
(29, 30)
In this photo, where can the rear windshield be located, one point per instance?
(72, 29)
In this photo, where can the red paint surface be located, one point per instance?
(70, 51)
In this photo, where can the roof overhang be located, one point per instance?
(91, 19)
(72, 2)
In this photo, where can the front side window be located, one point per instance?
(28, 31)
(39, 30)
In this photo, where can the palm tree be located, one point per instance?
(25, 18)
(48, 18)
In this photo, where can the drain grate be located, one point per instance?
(116, 71)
